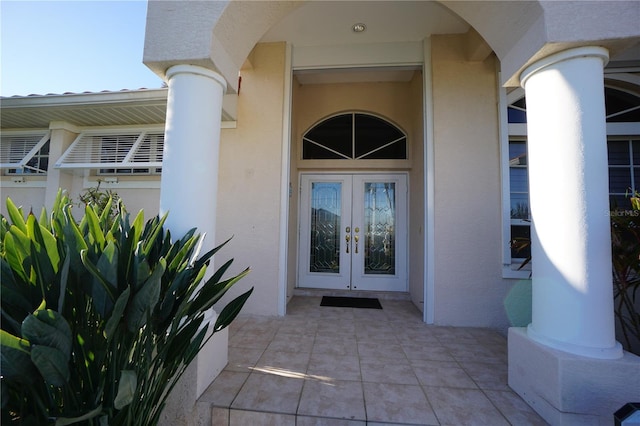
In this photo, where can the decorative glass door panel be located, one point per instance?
(353, 232)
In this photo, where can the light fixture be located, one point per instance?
(359, 27)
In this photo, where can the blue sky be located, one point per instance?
(72, 46)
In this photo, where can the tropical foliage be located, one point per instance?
(625, 239)
(100, 317)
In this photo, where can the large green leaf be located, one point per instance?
(211, 292)
(107, 265)
(117, 313)
(95, 231)
(52, 364)
(145, 299)
(48, 328)
(100, 279)
(231, 311)
(15, 359)
(16, 216)
(126, 389)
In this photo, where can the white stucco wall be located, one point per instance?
(30, 198)
(469, 289)
(249, 180)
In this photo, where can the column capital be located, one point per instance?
(585, 51)
(196, 70)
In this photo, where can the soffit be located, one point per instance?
(330, 23)
(135, 107)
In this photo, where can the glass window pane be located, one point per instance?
(515, 115)
(618, 152)
(334, 133)
(379, 230)
(520, 241)
(619, 202)
(517, 153)
(312, 151)
(519, 206)
(372, 132)
(518, 180)
(617, 101)
(636, 179)
(619, 179)
(636, 152)
(326, 208)
(395, 151)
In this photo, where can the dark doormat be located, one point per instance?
(351, 302)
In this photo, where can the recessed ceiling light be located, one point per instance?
(358, 28)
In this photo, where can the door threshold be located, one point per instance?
(383, 295)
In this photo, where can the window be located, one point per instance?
(623, 144)
(130, 152)
(354, 136)
(24, 153)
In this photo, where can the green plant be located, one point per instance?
(625, 240)
(100, 319)
(100, 199)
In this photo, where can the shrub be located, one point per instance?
(100, 317)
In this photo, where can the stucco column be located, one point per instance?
(189, 183)
(188, 191)
(568, 180)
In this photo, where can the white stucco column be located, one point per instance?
(188, 191)
(568, 179)
(191, 148)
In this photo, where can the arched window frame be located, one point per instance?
(516, 132)
(401, 137)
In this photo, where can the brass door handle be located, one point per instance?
(348, 239)
(356, 238)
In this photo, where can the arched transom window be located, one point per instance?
(354, 136)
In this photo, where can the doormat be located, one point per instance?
(351, 302)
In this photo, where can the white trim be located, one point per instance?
(283, 253)
(120, 182)
(565, 55)
(24, 181)
(358, 55)
(196, 70)
(623, 129)
(428, 314)
(503, 135)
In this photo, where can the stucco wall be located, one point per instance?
(28, 197)
(469, 290)
(249, 179)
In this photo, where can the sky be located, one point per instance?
(72, 46)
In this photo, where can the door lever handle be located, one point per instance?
(348, 239)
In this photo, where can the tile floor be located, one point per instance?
(344, 366)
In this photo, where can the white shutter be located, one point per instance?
(17, 149)
(122, 150)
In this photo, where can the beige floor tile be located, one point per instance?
(445, 374)
(334, 367)
(224, 388)
(323, 421)
(491, 376)
(270, 393)
(293, 364)
(339, 399)
(243, 359)
(467, 407)
(289, 342)
(426, 351)
(377, 350)
(397, 404)
(336, 345)
(219, 416)
(253, 418)
(387, 371)
(515, 409)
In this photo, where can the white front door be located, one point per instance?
(353, 232)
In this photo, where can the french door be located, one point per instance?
(353, 232)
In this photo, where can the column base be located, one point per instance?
(567, 389)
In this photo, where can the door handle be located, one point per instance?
(356, 238)
(347, 237)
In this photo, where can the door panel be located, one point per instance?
(353, 232)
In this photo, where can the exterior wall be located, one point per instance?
(30, 198)
(469, 290)
(249, 180)
(399, 102)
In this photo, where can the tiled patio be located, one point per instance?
(345, 366)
